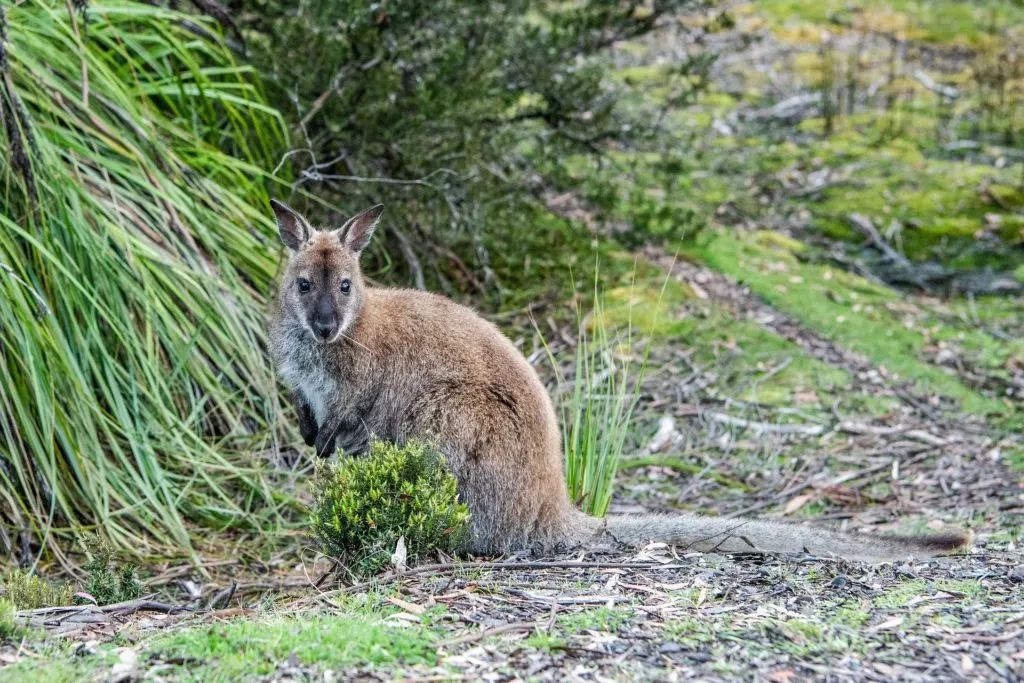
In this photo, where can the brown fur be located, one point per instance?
(409, 364)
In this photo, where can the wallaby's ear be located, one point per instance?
(358, 230)
(293, 227)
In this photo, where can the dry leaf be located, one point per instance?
(887, 625)
(399, 557)
(86, 596)
(407, 606)
(783, 676)
(672, 586)
(797, 502)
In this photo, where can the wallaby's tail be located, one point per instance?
(711, 534)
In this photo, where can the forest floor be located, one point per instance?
(795, 373)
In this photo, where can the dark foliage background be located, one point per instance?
(458, 115)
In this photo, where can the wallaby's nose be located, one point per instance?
(324, 329)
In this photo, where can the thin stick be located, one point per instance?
(118, 608)
(486, 633)
(441, 569)
(919, 455)
(760, 427)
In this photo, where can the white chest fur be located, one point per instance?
(318, 395)
(312, 381)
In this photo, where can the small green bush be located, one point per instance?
(364, 506)
(27, 591)
(108, 583)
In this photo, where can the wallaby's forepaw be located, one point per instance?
(308, 432)
(307, 423)
(353, 443)
(325, 444)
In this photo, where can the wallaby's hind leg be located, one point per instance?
(511, 510)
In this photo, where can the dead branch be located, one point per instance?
(762, 427)
(927, 81)
(918, 455)
(119, 609)
(487, 633)
(443, 569)
(914, 434)
(864, 224)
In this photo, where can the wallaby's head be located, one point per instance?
(323, 286)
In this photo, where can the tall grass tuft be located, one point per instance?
(28, 591)
(134, 261)
(596, 406)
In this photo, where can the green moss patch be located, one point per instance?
(241, 649)
(841, 307)
(941, 22)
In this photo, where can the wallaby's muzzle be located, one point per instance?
(324, 321)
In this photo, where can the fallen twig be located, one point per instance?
(915, 434)
(116, 609)
(927, 81)
(864, 224)
(80, 618)
(442, 569)
(223, 598)
(1010, 635)
(567, 600)
(487, 633)
(761, 427)
(918, 455)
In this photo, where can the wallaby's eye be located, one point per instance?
(303, 285)
(345, 286)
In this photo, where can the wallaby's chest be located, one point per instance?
(318, 393)
(305, 370)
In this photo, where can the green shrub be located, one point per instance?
(363, 506)
(456, 113)
(107, 582)
(27, 591)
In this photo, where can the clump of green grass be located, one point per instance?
(28, 591)
(8, 624)
(247, 649)
(597, 407)
(597, 619)
(134, 256)
(108, 583)
(363, 506)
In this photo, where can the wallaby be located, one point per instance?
(400, 364)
